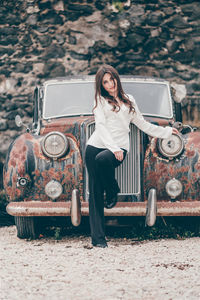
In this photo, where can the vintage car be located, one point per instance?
(45, 173)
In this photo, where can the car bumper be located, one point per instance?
(37, 208)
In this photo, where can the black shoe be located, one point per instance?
(111, 203)
(101, 245)
(111, 198)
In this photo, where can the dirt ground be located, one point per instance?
(71, 269)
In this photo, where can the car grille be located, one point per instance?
(128, 173)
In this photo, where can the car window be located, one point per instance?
(62, 99)
(77, 98)
(151, 98)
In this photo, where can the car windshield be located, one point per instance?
(77, 98)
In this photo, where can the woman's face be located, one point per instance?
(110, 84)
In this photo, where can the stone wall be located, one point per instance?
(43, 39)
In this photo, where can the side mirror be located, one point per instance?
(179, 92)
(19, 123)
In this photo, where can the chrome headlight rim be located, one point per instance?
(65, 144)
(168, 155)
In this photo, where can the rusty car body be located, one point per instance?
(45, 174)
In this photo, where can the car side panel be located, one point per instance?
(25, 159)
(159, 170)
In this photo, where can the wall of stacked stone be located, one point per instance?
(41, 39)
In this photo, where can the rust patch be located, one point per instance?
(157, 170)
(26, 160)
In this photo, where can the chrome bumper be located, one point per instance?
(37, 208)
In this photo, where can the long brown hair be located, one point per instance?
(100, 91)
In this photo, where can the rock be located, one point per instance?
(78, 56)
(23, 68)
(26, 41)
(168, 11)
(196, 54)
(172, 45)
(8, 85)
(123, 44)
(101, 46)
(29, 110)
(136, 14)
(3, 125)
(43, 5)
(100, 4)
(12, 125)
(184, 57)
(192, 11)
(4, 50)
(10, 106)
(137, 10)
(72, 40)
(85, 10)
(124, 24)
(53, 69)
(153, 45)
(60, 39)
(42, 28)
(137, 58)
(50, 17)
(154, 18)
(135, 40)
(54, 51)
(6, 139)
(2, 99)
(7, 31)
(59, 6)
(5, 71)
(11, 19)
(188, 75)
(8, 40)
(155, 32)
(177, 22)
(147, 71)
(32, 19)
(32, 9)
(45, 40)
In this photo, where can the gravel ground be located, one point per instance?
(71, 269)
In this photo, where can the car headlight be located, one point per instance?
(53, 189)
(171, 147)
(55, 144)
(174, 188)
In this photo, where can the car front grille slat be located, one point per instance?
(128, 173)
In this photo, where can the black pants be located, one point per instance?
(101, 164)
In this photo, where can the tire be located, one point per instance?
(26, 227)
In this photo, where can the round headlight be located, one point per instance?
(55, 144)
(174, 188)
(53, 189)
(171, 147)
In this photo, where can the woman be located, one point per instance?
(109, 143)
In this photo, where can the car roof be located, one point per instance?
(91, 78)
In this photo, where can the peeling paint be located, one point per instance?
(158, 171)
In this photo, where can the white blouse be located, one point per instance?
(112, 128)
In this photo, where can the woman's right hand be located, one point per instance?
(175, 131)
(119, 155)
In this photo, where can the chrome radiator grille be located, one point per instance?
(128, 173)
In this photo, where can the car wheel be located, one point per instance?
(27, 227)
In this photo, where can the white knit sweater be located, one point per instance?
(112, 128)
